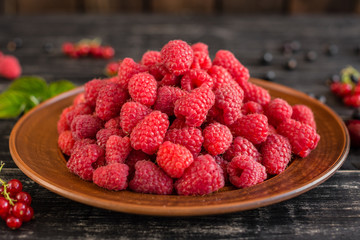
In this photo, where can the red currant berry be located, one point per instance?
(19, 210)
(4, 207)
(23, 197)
(14, 186)
(68, 48)
(29, 214)
(83, 49)
(1, 190)
(111, 68)
(107, 52)
(13, 222)
(95, 51)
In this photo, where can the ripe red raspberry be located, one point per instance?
(111, 69)
(217, 138)
(149, 178)
(82, 160)
(220, 77)
(251, 107)
(133, 157)
(276, 154)
(9, 67)
(66, 142)
(109, 101)
(149, 133)
(196, 78)
(303, 138)
(117, 149)
(255, 93)
(169, 79)
(227, 60)
(158, 71)
(189, 137)
(82, 142)
(201, 61)
(166, 98)
(277, 111)
(113, 123)
(127, 69)
(131, 114)
(202, 177)
(200, 47)
(242, 146)
(173, 159)
(85, 126)
(253, 127)
(229, 100)
(62, 124)
(341, 89)
(303, 114)
(92, 89)
(245, 172)
(80, 98)
(151, 58)
(177, 56)
(352, 100)
(112, 176)
(143, 88)
(77, 110)
(103, 135)
(195, 106)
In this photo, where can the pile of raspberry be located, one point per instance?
(178, 122)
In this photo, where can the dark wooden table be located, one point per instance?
(330, 211)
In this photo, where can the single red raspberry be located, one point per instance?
(169, 79)
(117, 149)
(201, 60)
(109, 101)
(77, 110)
(111, 69)
(196, 78)
(255, 93)
(277, 111)
(131, 114)
(113, 123)
(253, 127)
(242, 146)
(149, 133)
(195, 106)
(178, 123)
(149, 178)
(200, 47)
(166, 98)
(217, 138)
(82, 142)
(85, 126)
(151, 58)
(303, 138)
(177, 56)
(220, 77)
(227, 60)
(112, 176)
(158, 71)
(62, 124)
(143, 88)
(133, 157)
(80, 98)
(103, 135)
(251, 107)
(341, 89)
(10, 67)
(276, 154)
(173, 159)
(245, 172)
(127, 69)
(202, 177)
(82, 160)
(92, 89)
(66, 142)
(303, 114)
(352, 100)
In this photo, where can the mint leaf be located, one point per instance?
(13, 103)
(60, 86)
(32, 86)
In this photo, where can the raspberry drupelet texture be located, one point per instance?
(166, 98)
(170, 79)
(151, 58)
(85, 126)
(117, 149)
(178, 123)
(303, 138)
(173, 159)
(177, 56)
(196, 78)
(251, 107)
(91, 90)
(143, 88)
(80, 98)
(62, 124)
(195, 105)
(77, 110)
(277, 111)
(255, 93)
(245, 172)
(217, 138)
(200, 47)
(149, 133)
(133, 157)
(220, 77)
(113, 123)
(131, 114)
(242, 146)
(112, 176)
(303, 114)
(158, 71)
(109, 101)
(127, 69)
(149, 178)
(66, 142)
(223, 165)
(201, 60)
(276, 154)
(82, 142)
(202, 177)
(103, 135)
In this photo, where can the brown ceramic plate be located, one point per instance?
(33, 146)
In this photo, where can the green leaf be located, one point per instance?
(60, 86)
(32, 86)
(13, 103)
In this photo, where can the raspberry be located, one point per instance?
(158, 71)
(151, 58)
(109, 101)
(85, 126)
(133, 157)
(77, 110)
(202, 177)
(223, 165)
(251, 107)
(245, 172)
(149, 133)
(177, 56)
(196, 78)
(253, 127)
(200, 47)
(169, 80)
(80, 98)
(131, 114)
(242, 146)
(255, 93)
(220, 77)
(189, 137)
(103, 135)
(143, 88)
(112, 176)
(201, 61)
(173, 159)
(92, 89)
(277, 111)
(111, 69)
(195, 106)
(117, 149)
(178, 123)
(217, 138)
(166, 98)
(66, 142)
(352, 100)
(62, 124)
(9, 67)
(82, 160)
(229, 100)
(227, 60)
(303, 138)
(276, 153)
(82, 142)
(149, 178)
(127, 69)
(303, 114)
(113, 123)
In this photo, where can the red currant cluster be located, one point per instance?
(88, 48)
(14, 203)
(111, 69)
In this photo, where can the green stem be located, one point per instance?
(5, 192)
